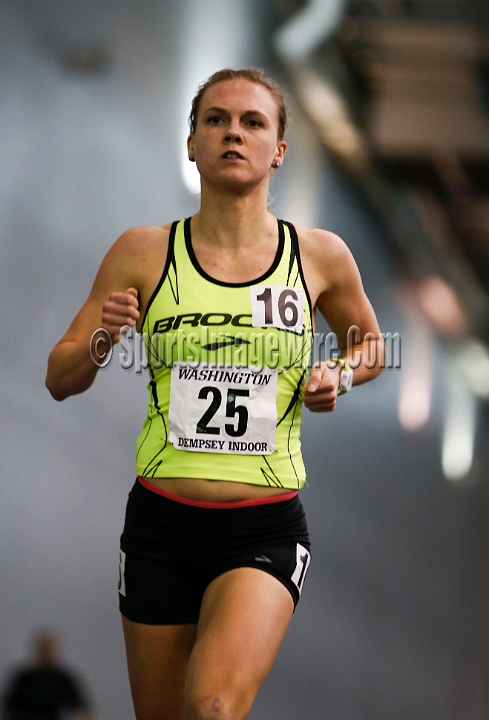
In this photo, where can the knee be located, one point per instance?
(211, 707)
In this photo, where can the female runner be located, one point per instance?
(215, 546)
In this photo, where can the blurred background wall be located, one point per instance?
(93, 104)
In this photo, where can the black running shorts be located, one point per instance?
(171, 549)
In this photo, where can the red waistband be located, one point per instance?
(219, 505)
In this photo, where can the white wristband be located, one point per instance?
(346, 376)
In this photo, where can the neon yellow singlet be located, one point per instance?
(227, 362)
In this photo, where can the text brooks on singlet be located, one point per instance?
(227, 362)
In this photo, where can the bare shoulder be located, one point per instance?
(326, 259)
(322, 245)
(136, 259)
(335, 284)
(137, 251)
(142, 241)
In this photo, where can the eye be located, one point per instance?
(214, 120)
(253, 122)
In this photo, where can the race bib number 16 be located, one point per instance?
(277, 306)
(223, 410)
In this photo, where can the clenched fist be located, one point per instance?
(120, 312)
(321, 390)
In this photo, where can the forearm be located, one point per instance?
(71, 369)
(366, 359)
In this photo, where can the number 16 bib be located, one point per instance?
(223, 410)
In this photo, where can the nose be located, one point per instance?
(233, 132)
(233, 137)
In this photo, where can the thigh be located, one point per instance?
(157, 660)
(244, 615)
(159, 581)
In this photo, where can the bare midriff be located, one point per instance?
(215, 490)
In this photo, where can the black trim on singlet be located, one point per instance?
(169, 259)
(294, 398)
(153, 464)
(202, 272)
(295, 244)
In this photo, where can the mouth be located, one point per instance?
(232, 155)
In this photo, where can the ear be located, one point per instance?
(279, 155)
(280, 152)
(191, 146)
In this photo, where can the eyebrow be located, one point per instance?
(217, 109)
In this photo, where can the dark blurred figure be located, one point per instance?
(44, 690)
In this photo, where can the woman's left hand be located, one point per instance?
(321, 389)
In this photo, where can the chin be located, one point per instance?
(238, 182)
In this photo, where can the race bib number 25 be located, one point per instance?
(223, 410)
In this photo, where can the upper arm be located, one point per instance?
(123, 266)
(340, 296)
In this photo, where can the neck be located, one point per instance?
(234, 220)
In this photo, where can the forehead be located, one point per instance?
(240, 94)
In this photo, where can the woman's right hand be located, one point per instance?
(120, 312)
(109, 310)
